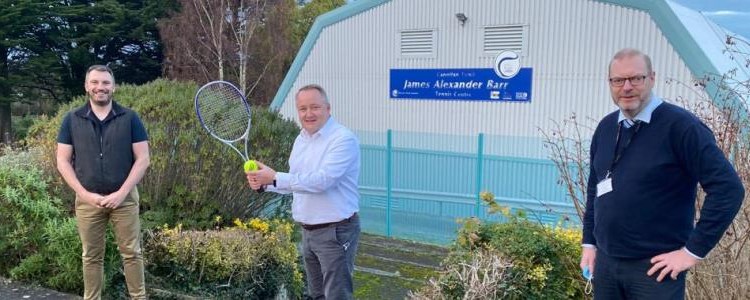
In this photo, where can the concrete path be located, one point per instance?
(11, 290)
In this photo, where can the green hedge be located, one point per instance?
(252, 260)
(192, 177)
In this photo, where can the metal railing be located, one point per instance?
(417, 186)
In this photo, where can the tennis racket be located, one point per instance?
(225, 113)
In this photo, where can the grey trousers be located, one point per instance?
(328, 254)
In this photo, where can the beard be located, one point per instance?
(100, 100)
(103, 103)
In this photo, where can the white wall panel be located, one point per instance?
(569, 46)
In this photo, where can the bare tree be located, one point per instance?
(243, 25)
(216, 39)
(567, 144)
(211, 18)
(194, 41)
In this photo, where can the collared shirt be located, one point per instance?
(323, 175)
(645, 114)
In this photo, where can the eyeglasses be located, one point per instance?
(620, 81)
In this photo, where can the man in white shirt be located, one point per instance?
(323, 176)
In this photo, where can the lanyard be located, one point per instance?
(617, 155)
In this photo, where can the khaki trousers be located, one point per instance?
(92, 224)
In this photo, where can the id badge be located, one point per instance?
(604, 186)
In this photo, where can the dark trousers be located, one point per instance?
(328, 254)
(626, 279)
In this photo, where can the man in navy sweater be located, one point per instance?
(639, 234)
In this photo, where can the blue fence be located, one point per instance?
(417, 186)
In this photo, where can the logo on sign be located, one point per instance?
(507, 64)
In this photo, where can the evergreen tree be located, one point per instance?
(46, 46)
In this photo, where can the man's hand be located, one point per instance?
(92, 199)
(672, 263)
(113, 200)
(588, 259)
(263, 176)
(252, 180)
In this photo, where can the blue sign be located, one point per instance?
(461, 84)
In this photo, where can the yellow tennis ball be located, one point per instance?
(250, 165)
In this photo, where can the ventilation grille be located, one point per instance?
(500, 38)
(418, 42)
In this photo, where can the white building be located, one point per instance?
(372, 56)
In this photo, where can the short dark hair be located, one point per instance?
(100, 68)
(313, 87)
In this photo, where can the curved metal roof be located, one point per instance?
(701, 43)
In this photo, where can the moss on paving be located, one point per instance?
(403, 269)
(411, 264)
(370, 286)
(402, 250)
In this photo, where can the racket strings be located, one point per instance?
(223, 111)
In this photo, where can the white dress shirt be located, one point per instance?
(323, 175)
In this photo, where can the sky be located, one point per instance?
(730, 14)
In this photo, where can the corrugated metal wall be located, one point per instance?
(569, 45)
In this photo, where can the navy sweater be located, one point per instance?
(651, 209)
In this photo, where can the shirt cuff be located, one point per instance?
(282, 181)
(691, 254)
(588, 246)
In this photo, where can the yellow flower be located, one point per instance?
(238, 223)
(259, 225)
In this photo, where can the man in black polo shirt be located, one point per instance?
(102, 153)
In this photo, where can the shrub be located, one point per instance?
(480, 274)
(192, 177)
(251, 260)
(518, 259)
(545, 258)
(58, 263)
(25, 208)
(38, 241)
(21, 126)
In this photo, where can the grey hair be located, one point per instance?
(630, 52)
(313, 87)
